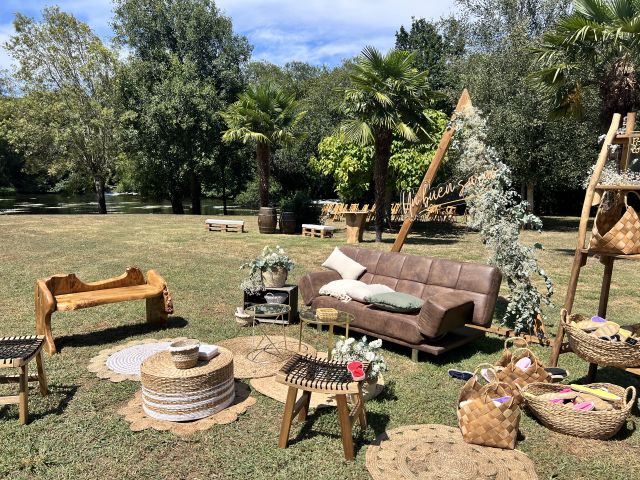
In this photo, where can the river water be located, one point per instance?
(53, 203)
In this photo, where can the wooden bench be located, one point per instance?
(322, 231)
(65, 293)
(217, 225)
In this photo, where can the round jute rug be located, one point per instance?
(122, 362)
(138, 420)
(437, 452)
(263, 362)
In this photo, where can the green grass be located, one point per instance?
(76, 433)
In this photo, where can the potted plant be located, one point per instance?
(351, 349)
(272, 266)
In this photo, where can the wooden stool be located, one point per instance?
(311, 374)
(17, 352)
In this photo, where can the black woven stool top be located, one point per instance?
(312, 373)
(16, 351)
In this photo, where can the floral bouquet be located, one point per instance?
(349, 349)
(270, 259)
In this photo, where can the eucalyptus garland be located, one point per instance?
(498, 214)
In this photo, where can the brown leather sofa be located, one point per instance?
(455, 294)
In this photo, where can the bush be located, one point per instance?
(250, 197)
(302, 206)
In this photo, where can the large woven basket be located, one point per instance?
(517, 377)
(484, 423)
(473, 388)
(598, 424)
(613, 233)
(505, 357)
(602, 352)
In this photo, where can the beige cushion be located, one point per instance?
(362, 292)
(338, 288)
(347, 268)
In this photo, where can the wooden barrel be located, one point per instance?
(288, 223)
(267, 220)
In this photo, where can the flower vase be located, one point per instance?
(275, 277)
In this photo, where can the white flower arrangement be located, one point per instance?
(349, 349)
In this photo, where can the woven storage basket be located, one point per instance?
(597, 424)
(613, 233)
(473, 387)
(517, 377)
(505, 358)
(184, 353)
(601, 352)
(484, 423)
(326, 314)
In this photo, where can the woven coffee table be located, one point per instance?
(180, 395)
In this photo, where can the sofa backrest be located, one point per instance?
(426, 276)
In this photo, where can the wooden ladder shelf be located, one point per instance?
(593, 196)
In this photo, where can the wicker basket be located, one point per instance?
(613, 233)
(518, 378)
(601, 352)
(484, 423)
(327, 314)
(597, 424)
(275, 277)
(184, 353)
(505, 358)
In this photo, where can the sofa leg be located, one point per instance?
(414, 355)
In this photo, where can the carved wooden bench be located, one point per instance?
(217, 225)
(65, 293)
(322, 231)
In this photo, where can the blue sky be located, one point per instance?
(315, 31)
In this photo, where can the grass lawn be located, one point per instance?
(75, 432)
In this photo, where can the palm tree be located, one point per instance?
(596, 46)
(387, 97)
(265, 115)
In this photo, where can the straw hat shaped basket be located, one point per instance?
(482, 422)
(613, 233)
(597, 424)
(594, 350)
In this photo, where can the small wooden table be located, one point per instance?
(311, 374)
(355, 225)
(308, 316)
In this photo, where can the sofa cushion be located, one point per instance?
(338, 288)
(361, 292)
(396, 302)
(347, 268)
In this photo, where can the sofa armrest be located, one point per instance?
(311, 283)
(442, 313)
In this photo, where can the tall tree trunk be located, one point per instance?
(224, 191)
(531, 187)
(196, 195)
(176, 202)
(102, 201)
(263, 155)
(380, 173)
(619, 91)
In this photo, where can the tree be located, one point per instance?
(185, 66)
(67, 77)
(387, 96)
(264, 115)
(596, 47)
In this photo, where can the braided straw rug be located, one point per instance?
(437, 452)
(122, 362)
(134, 414)
(245, 368)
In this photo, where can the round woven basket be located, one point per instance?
(597, 424)
(275, 277)
(184, 353)
(602, 352)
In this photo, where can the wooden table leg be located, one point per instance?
(362, 414)
(345, 426)
(42, 376)
(287, 418)
(593, 371)
(304, 411)
(23, 396)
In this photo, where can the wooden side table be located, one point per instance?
(17, 352)
(355, 225)
(312, 374)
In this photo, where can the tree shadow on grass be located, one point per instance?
(115, 334)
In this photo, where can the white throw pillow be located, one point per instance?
(338, 288)
(347, 268)
(362, 292)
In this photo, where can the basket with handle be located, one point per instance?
(482, 422)
(595, 350)
(473, 387)
(613, 233)
(505, 358)
(597, 424)
(518, 377)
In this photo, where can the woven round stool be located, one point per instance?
(181, 395)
